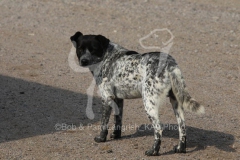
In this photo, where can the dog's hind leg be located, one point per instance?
(106, 112)
(118, 120)
(178, 111)
(151, 107)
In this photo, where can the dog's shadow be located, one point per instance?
(197, 138)
(29, 109)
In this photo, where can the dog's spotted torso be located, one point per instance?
(125, 73)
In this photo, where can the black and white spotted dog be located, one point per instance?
(124, 74)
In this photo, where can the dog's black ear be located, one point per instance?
(76, 36)
(103, 41)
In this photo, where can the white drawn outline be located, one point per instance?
(90, 90)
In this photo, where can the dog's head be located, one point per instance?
(90, 49)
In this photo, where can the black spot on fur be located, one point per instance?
(161, 75)
(152, 102)
(171, 61)
(131, 53)
(171, 95)
(130, 71)
(149, 83)
(144, 54)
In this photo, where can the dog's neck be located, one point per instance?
(114, 49)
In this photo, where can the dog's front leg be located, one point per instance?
(118, 120)
(106, 112)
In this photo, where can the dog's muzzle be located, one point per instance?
(84, 62)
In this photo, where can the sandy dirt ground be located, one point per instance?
(43, 101)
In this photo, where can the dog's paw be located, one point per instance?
(181, 147)
(151, 152)
(154, 151)
(99, 139)
(179, 150)
(116, 135)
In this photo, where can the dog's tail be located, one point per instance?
(181, 93)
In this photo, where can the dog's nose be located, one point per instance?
(84, 62)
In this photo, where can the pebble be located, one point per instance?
(135, 146)
(110, 151)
